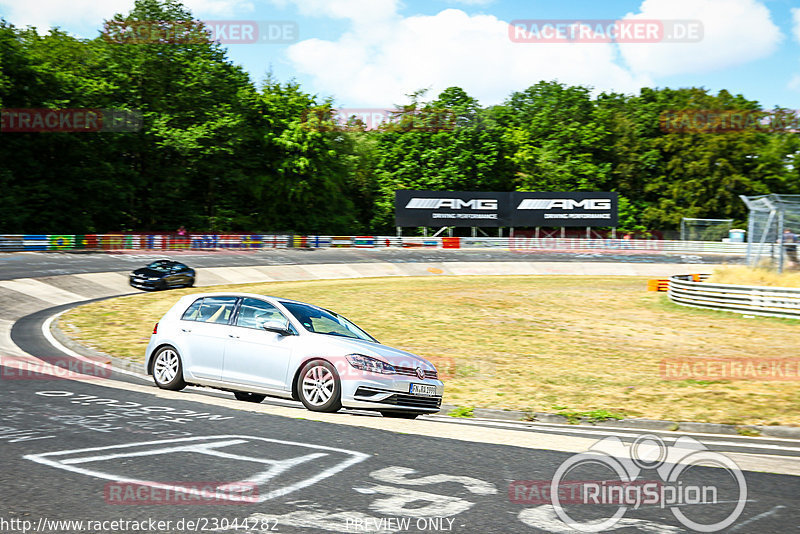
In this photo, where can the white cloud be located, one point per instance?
(378, 64)
(734, 32)
(796, 19)
(45, 14)
(89, 14)
(794, 81)
(385, 56)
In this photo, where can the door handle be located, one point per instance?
(186, 329)
(233, 336)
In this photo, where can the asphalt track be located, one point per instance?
(76, 450)
(81, 451)
(37, 264)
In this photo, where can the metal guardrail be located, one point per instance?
(691, 290)
(631, 245)
(45, 242)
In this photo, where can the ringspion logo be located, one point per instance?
(672, 484)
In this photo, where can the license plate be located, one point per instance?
(423, 389)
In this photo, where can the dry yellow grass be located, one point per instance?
(748, 276)
(543, 343)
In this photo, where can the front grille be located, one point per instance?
(413, 401)
(399, 399)
(411, 371)
(368, 392)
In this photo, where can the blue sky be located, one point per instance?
(370, 53)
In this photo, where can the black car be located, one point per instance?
(162, 274)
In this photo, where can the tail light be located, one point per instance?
(155, 329)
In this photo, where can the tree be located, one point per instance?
(449, 143)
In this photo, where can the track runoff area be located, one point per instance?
(121, 455)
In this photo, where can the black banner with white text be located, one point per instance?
(496, 209)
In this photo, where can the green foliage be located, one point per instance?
(218, 153)
(591, 416)
(462, 411)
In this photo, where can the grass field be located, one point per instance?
(761, 276)
(536, 343)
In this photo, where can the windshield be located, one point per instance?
(160, 265)
(322, 321)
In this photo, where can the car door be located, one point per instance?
(254, 356)
(204, 329)
(174, 276)
(184, 275)
(177, 276)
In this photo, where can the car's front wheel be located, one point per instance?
(248, 397)
(319, 387)
(168, 369)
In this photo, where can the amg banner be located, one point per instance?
(466, 208)
(565, 209)
(451, 208)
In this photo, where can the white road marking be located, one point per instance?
(181, 445)
(753, 519)
(396, 475)
(395, 500)
(69, 352)
(207, 448)
(623, 433)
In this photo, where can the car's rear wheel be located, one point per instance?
(319, 387)
(248, 397)
(168, 369)
(401, 415)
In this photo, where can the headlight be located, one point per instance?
(366, 363)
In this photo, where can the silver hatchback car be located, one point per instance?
(258, 346)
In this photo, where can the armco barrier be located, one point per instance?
(632, 245)
(11, 243)
(42, 242)
(758, 300)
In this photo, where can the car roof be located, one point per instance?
(167, 260)
(195, 296)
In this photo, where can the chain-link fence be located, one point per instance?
(772, 230)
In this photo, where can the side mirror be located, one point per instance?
(278, 327)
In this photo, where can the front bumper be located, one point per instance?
(143, 283)
(391, 395)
